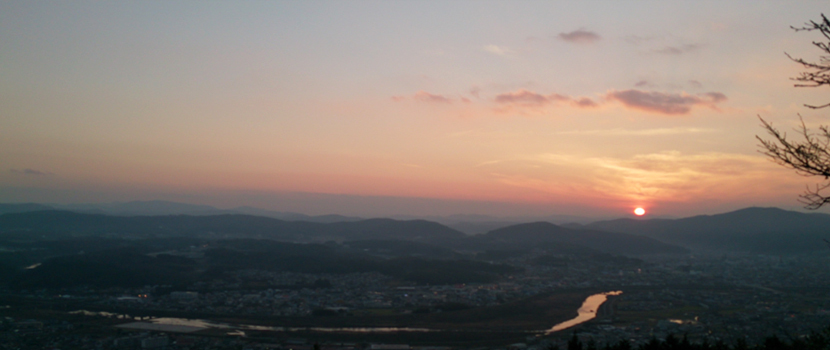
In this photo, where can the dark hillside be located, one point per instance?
(534, 234)
(223, 226)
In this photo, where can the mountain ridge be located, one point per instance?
(754, 229)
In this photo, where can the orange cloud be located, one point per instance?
(665, 103)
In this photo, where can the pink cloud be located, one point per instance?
(580, 36)
(526, 98)
(665, 103)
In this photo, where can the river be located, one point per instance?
(586, 312)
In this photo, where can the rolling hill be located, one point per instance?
(760, 230)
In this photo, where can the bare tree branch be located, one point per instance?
(818, 73)
(809, 155)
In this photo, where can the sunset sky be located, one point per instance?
(372, 108)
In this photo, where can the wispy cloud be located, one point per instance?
(668, 176)
(643, 83)
(31, 172)
(672, 175)
(580, 36)
(677, 50)
(643, 132)
(665, 103)
(637, 40)
(425, 97)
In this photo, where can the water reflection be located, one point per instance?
(205, 324)
(586, 312)
(250, 327)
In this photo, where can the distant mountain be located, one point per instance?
(22, 207)
(479, 227)
(144, 208)
(760, 230)
(224, 226)
(159, 207)
(536, 233)
(289, 216)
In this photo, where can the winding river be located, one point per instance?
(586, 312)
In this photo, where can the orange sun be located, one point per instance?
(639, 212)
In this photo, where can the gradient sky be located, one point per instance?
(403, 107)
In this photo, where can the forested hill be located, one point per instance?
(536, 233)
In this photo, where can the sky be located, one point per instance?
(374, 108)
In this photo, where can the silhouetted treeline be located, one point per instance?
(815, 341)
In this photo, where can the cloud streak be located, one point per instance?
(677, 50)
(523, 100)
(644, 132)
(579, 36)
(423, 96)
(665, 103)
(31, 172)
(529, 99)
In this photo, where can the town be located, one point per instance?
(729, 298)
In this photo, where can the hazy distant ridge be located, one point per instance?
(158, 207)
(230, 226)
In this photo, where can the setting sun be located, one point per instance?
(639, 212)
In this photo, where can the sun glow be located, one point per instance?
(639, 212)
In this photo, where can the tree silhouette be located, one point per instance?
(809, 155)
